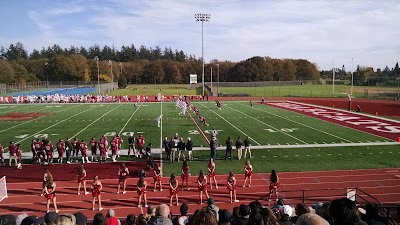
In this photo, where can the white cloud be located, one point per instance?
(320, 31)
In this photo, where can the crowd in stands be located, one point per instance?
(337, 212)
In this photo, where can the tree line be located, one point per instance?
(141, 65)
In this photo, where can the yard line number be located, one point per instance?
(286, 130)
(197, 132)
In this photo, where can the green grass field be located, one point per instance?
(276, 133)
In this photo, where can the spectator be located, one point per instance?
(214, 209)
(99, 219)
(143, 219)
(225, 217)
(255, 217)
(268, 216)
(311, 219)
(372, 215)
(345, 212)
(205, 217)
(130, 219)
(300, 209)
(324, 212)
(247, 146)
(7, 220)
(235, 215)
(19, 218)
(213, 147)
(239, 144)
(189, 148)
(244, 214)
(111, 218)
(286, 213)
(151, 214)
(162, 214)
(228, 153)
(183, 219)
(80, 218)
(65, 219)
(50, 217)
(167, 147)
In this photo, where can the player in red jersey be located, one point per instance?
(60, 150)
(76, 148)
(122, 173)
(83, 148)
(173, 189)
(104, 139)
(81, 177)
(50, 194)
(211, 173)
(202, 185)
(185, 175)
(248, 171)
(96, 192)
(119, 144)
(141, 190)
(113, 145)
(19, 156)
(232, 187)
(39, 151)
(93, 148)
(140, 143)
(1, 154)
(203, 120)
(157, 176)
(48, 147)
(103, 150)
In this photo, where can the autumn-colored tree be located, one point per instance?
(7, 74)
(153, 73)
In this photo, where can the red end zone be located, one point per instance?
(370, 124)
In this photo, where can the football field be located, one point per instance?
(269, 128)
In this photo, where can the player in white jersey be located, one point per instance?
(159, 118)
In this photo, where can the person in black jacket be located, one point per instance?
(167, 147)
(172, 149)
(181, 149)
(228, 143)
(239, 145)
(68, 149)
(189, 148)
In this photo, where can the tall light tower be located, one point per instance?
(98, 73)
(218, 80)
(112, 75)
(120, 64)
(202, 18)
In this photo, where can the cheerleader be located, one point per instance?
(81, 176)
(122, 173)
(248, 171)
(157, 176)
(273, 185)
(46, 176)
(173, 189)
(96, 192)
(211, 173)
(141, 190)
(185, 175)
(202, 184)
(50, 194)
(232, 187)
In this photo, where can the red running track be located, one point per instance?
(384, 184)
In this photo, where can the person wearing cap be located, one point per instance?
(213, 207)
(244, 215)
(13, 153)
(225, 217)
(131, 144)
(286, 213)
(80, 218)
(189, 148)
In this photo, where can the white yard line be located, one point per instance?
(95, 121)
(134, 112)
(15, 108)
(51, 126)
(32, 120)
(230, 123)
(301, 124)
(268, 125)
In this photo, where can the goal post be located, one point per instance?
(3, 188)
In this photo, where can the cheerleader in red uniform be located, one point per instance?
(211, 173)
(273, 185)
(50, 194)
(141, 190)
(202, 182)
(185, 175)
(122, 173)
(173, 189)
(248, 171)
(81, 176)
(157, 176)
(232, 187)
(96, 192)
(46, 176)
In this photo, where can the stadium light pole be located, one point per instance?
(202, 18)
(398, 87)
(98, 73)
(333, 76)
(47, 74)
(217, 79)
(352, 77)
(211, 79)
(120, 64)
(112, 75)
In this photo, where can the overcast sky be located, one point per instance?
(325, 32)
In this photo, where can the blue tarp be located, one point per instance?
(63, 91)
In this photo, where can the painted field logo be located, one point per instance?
(22, 116)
